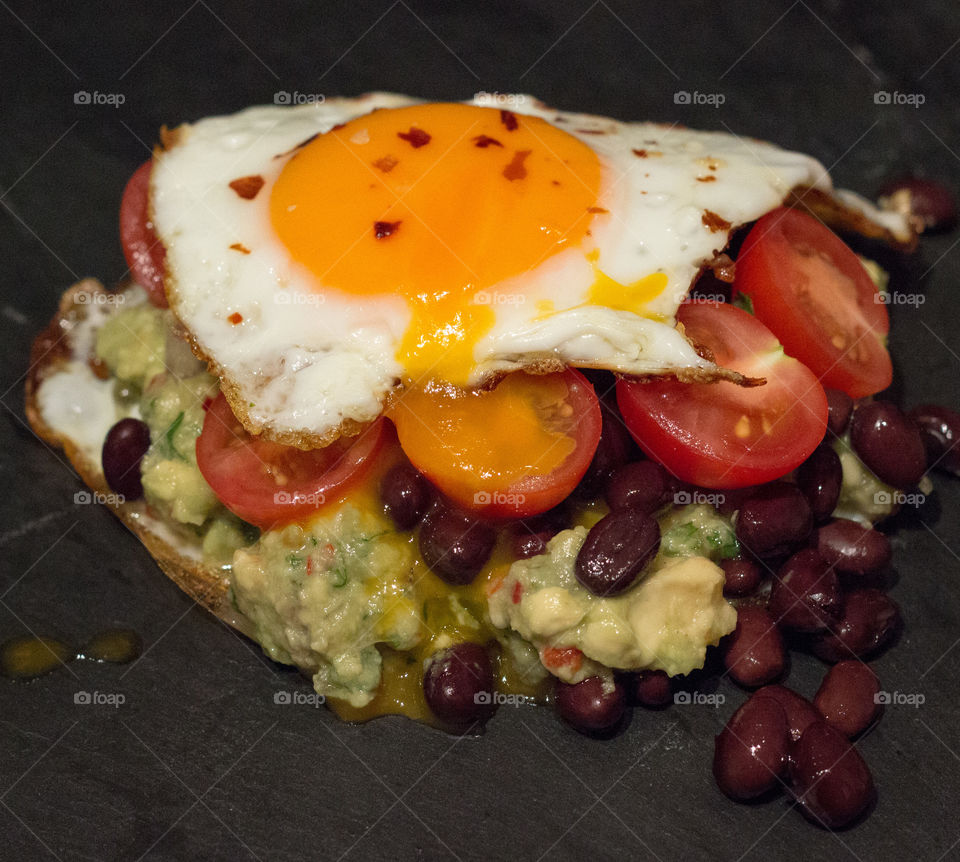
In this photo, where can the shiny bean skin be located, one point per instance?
(525, 545)
(750, 753)
(805, 595)
(741, 577)
(867, 622)
(616, 550)
(590, 706)
(652, 689)
(888, 443)
(123, 450)
(929, 205)
(774, 520)
(455, 546)
(847, 697)
(940, 429)
(830, 779)
(754, 653)
(639, 484)
(406, 494)
(614, 449)
(799, 711)
(458, 684)
(852, 548)
(839, 408)
(820, 477)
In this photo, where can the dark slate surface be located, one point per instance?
(198, 761)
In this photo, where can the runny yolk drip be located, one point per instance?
(634, 297)
(489, 440)
(436, 203)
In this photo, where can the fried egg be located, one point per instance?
(322, 256)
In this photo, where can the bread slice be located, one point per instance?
(64, 350)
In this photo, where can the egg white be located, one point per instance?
(307, 362)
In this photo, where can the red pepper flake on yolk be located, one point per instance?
(509, 120)
(415, 137)
(239, 246)
(248, 187)
(383, 229)
(386, 163)
(516, 170)
(714, 222)
(235, 318)
(484, 141)
(597, 210)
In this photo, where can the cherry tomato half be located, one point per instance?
(267, 483)
(510, 452)
(720, 435)
(814, 294)
(145, 253)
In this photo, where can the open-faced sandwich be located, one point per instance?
(418, 397)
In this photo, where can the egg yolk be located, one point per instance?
(436, 203)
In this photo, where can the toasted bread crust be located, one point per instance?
(50, 351)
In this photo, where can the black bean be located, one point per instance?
(754, 653)
(406, 494)
(529, 537)
(839, 408)
(525, 545)
(888, 443)
(750, 753)
(639, 484)
(616, 550)
(591, 706)
(742, 577)
(806, 595)
(652, 689)
(123, 450)
(830, 779)
(774, 520)
(799, 711)
(455, 545)
(614, 448)
(820, 478)
(852, 548)
(940, 429)
(847, 697)
(927, 204)
(868, 621)
(458, 684)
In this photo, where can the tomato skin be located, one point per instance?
(267, 483)
(434, 450)
(142, 249)
(720, 435)
(813, 293)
